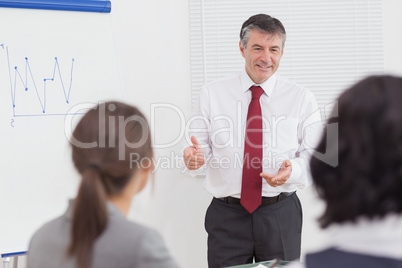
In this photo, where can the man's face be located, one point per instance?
(263, 53)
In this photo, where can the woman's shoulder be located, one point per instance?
(51, 228)
(129, 230)
(49, 243)
(138, 244)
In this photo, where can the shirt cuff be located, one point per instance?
(198, 173)
(296, 172)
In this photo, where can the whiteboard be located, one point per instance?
(51, 64)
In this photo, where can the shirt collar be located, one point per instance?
(267, 86)
(382, 237)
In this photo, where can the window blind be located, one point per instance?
(330, 44)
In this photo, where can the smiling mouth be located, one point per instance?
(264, 67)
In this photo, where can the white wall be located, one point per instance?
(152, 39)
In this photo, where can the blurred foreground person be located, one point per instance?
(94, 232)
(363, 193)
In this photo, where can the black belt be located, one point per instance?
(265, 201)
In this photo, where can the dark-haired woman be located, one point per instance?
(363, 193)
(94, 232)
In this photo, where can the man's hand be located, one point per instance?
(193, 156)
(281, 177)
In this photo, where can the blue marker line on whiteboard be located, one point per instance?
(11, 84)
(42, 100)
(33, 80)
(71, 81)
(47, 114)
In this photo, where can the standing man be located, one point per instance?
(252, 126)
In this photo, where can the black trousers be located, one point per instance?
(237, 237)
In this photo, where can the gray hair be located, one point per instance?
(263, 23)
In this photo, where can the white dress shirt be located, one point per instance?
(219, 126)
(377, 237)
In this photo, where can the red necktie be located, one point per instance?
(252, 164)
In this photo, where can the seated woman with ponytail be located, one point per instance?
(94, 232)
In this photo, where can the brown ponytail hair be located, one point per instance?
(102, 145)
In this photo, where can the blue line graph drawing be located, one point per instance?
(23, 79)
